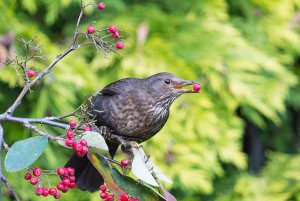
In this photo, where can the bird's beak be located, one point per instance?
(179, 86)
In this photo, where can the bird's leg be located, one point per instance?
(105, 132)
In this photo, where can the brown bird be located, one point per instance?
(135, 109)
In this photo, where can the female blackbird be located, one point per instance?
(134, 109)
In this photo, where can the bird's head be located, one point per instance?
(167, 87)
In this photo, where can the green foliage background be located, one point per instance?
(245, 54)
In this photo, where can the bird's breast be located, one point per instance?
(136, 118)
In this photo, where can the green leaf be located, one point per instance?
(62, 142)
(24, 152)
(119, 183)
(139, 168)
(136, 189)
(95, 141)
(154, 169)
(104, 169)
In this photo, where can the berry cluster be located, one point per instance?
(112, 29)
(105, 194)
(68, 179)
(67, 182)
(80, 147)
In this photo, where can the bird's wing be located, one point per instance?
(119, 87)
(109, 91)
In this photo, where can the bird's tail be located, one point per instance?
(87, 176)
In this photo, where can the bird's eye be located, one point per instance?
(167, 81)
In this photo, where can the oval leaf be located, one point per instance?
(158, 173)
(95, 141)
(139, 168)
(62, 142)
(24, 152)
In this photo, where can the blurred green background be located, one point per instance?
(238, 140)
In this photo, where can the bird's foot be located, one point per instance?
(128, 145)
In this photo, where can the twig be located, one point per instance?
(5, 146)
(35, 129)
(61, 117)
(10, 188)
(45, 121)
(27, 86)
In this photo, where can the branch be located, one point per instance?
(10, 188)
(38, 131)
(46, 121)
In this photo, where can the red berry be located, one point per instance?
(84, 150)
(70, 171)
(45, 192)
(110, 197)
(27, 176)
(197, 87)
(30, 73)
(77, 147)
(103, 188)
(34, 181)
(72, 179)
(83, 142)
(124, 197)
(61, 171)
(124, 162)
(90, 29)
(66, 172)
(101, 6)
(38, 191)
(103, 195)
(72, 185)
(65, 189)
(69, 142)
(57, 195)
(52, 191)
(79, 154)
(112, 29)
(37, 171)
(115, 35)
(120, 45)
(70, 134)
(87, 128)
(60, 186)
(72, 123)
(66, 181)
